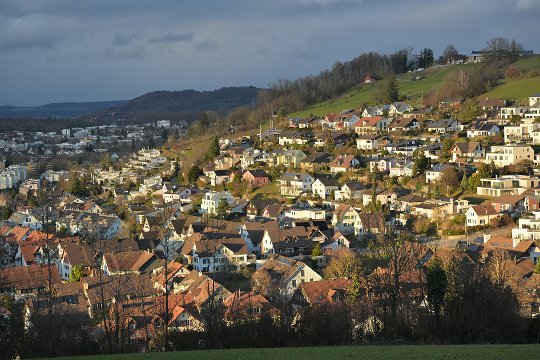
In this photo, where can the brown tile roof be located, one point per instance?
(24, 278)
(484, 210)
(320, 291)
(128, 260)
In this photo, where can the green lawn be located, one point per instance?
(516, 89)
(402, 352)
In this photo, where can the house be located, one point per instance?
(349, 191)
(344, 219)
(324, 186)
(399, 108)
(24, 281)
(256, 206)
(27, 218)
(182, 193)
(118, 263)
(402, 168)
(74, 254)
(508, 203)
(369, 223)
(283, 274)
(217, 252)
(482, 129)
(382, 165)
(367, 142)
(323, 291)
(373, 124)
(294, 184)
(480, 215)
(382, 196)
(407, 202)
(316, 161)
(292, 137)
(256, 178)
(503, 155)
(507, 185)
(444, 126)
(211, 200)
(248, 306)
(488, 103)
(342, 163)
(436, 172)
(467, 150)
(218, 177)
(404, 124)
(290, 158)
(86, 223)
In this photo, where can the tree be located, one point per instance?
(76, 274)
(316, 251)
(449, 54)
(464, 182)
(6, 212)
(420, 162)
(77, 187)
(223, 208)
(213, 150)
(500, 48)
(437, 283)
(387, 92)
(193, 174)
(471, 110)
(512, 73)
(345, 264)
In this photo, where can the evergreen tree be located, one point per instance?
(355, 288)
(213, 151)
(437, 284)
(464, 182)
(392, 90)
(223, 208)
(471, 110)
(420, 163)
(193, 174)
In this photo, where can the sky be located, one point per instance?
(97, 50)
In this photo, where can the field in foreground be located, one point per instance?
(402, 352)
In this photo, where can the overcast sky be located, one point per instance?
(94, 50)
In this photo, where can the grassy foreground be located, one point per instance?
(401, 352)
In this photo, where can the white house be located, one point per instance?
(480, 215)
(324, 186)
(294, 183)
(211, 199)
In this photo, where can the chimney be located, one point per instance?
(486, 237)
(515, 242)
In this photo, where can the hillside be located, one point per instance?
(419, 352)
(186, 104)
(433, 78)
(59, 110)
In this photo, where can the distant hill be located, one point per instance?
(59, 110)
(185, 105)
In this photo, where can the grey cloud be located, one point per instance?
(32, 31)
(524, 5)
(121, 40)
(172, 38)
(134, 53)
(207, 45)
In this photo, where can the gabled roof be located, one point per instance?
(323, 291)
(482, 210)
(466, 147)
(128, 261)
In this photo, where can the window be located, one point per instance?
(294, 283)
(302, 273)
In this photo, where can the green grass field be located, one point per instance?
(401, 352)
(413, 90)
(516, 89)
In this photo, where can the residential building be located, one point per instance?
(503, 155)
